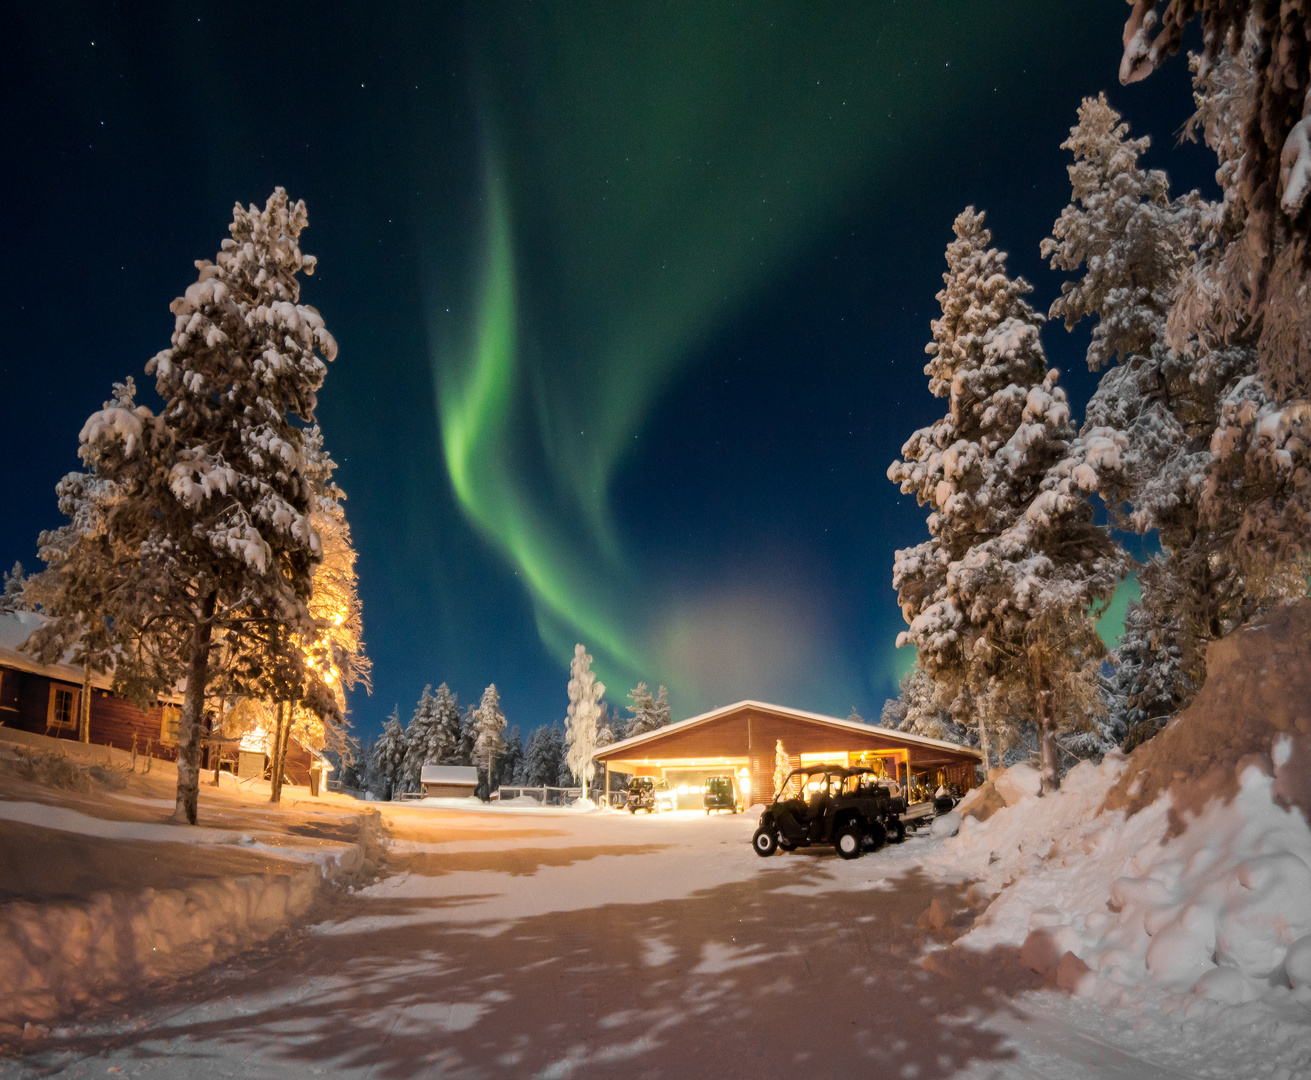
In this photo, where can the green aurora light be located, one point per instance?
(656, 171)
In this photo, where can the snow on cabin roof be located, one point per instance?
(15, 628)
(449, 774)
(635, 741)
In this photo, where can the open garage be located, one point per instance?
(743, 739)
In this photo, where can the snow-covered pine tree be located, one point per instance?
(1146, 441)
(916, 709)
(387, 763)
(643, 719)
(985, 358)
(445, 747)
(210, 529)
(11, 597)
(1262, 278)
(605, 733)
(660, 708)
(489, 740)
(580, 724)
(1035, 591)
(464, 750)
(618, 723)
(422, 740)
(509, 769)
(542, 756)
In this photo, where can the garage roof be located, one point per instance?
(622, 748)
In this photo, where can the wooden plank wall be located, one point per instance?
(114, 722)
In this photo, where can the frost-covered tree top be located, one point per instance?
(987, 360)
(660, 708)
(1262, 278)
(489, 728)
(1123, 226)
(643, 710)
(11, 597)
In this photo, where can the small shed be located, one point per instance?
(448, 781)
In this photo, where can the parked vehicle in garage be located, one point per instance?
(653, 796)
(720, 793)
(827, 804)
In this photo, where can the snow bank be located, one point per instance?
(1214, 911)
(55, 957)
(1200, 893)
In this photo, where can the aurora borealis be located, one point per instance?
(631, 299)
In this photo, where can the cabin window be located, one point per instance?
(169, 719)
(63, 708)
(8, 690)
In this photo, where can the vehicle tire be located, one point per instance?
(877, 835)
(847, 841)
(896, 831)
(765, 843)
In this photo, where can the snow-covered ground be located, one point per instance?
(597, 944)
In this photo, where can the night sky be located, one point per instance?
(632, 298)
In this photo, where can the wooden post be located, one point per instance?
(606, 765)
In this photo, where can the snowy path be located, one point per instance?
(515, 946)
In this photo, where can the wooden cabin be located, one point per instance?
(448, 781)
(47, 699)
(743, 740)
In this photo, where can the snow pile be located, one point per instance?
(1213, 911)
(1181, 874)
(55, 957)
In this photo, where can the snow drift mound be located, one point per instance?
(1184, 869)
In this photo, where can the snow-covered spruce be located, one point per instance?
(489, 733)
(1262, 278)
(387, 762)
(433, 734)
(196, 521)
(998, 598)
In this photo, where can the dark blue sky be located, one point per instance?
(693, 256)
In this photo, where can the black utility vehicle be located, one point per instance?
(719, 793)
(826, 804)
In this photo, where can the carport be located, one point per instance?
(743, 739)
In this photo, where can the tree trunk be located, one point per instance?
(279, 752)
(987, 749)
(193, 715)
(1047, 750)
(84, 711)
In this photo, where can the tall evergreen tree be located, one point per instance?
(543, 755)
(208, 530)
(387, 763)
(489, 728)
(422, 740)
(644, 718)
(997, 599)
(660, 708)
(509, 769)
